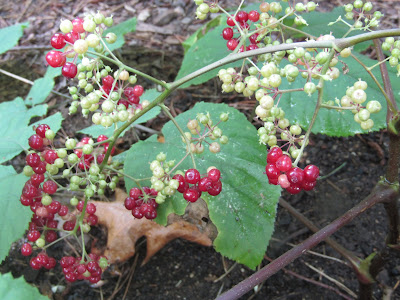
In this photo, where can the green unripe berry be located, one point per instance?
(108, 21)
(94, 170)
(367, 6)
(203, 8)
(161, 157)
(367, 125)
(89, 192)
(358, 4)
(87, 149)
(74, 201)
(40, 242)
(310, 88)
(295, 129)
(108, 106)
(73, 158)
(66, 26)
(224, 140)
(311, 6)
(59, 163)
(111, 38)
(275, 80)
(364, 115)
(28, 171)
(374, 106)
(89, 25)
(66, 173)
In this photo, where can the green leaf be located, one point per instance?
(9, 36)
(96, 130)
(15, 217)
(120, 30)
(14, 129)
(299, 107)
(244, 212)
(13, 289)
(42, 87)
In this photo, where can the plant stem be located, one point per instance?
(171, 117)
(317, 106)
(382, 192)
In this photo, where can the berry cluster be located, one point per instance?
(211, 131)
(204, 8)
(191, 184)
(361, 12)
(76, 269)
(77, 36)
(280, 171)
(142, 203)
(393, 46)
(42, 261)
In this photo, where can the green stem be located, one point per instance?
(317, 106)
(166, 111)
(338, 107)
(378, 63)
(126, 175)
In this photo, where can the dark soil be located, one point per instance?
(183, 270)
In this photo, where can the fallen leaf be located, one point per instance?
(124, 231)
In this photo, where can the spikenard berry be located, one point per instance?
(58, 41)
(192, 176)
(69, 70)
(26, 249)
(35, 142)
(227, 33)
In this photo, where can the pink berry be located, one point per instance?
(77, 24)
(311, 173)
(57, 41)
(283, 181)
(227, 33)
(192, 176)
(284, 163)
(69, 70)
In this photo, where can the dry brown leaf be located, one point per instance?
(124, 231)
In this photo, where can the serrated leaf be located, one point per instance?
(41, 88)
(96, 130)
(14, 130)
(17, 288)
(15, 217)
(10, 35)
(299, 108)
(120, 30)
(244, 212)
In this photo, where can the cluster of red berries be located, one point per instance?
(132, 94)
(58, 59)
(42, 261)
(90, 218)
(210, 183)
(242, 18)
(280, 171)
(74, 269)
(142, 205)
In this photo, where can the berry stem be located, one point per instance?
(318, 105)
(128, 176)
(166, 111)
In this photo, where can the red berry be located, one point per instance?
(254, 16)
(67, 261)
(251, 47)
(50, 187)
(69, 225)
(192, 176)
(54, 208)
(26, 249)
(41, 130)
(37, 179)
(35, 264)
(191, 195)
(133, 99)
(32, 159)
(71, 37)
(93, 266)
(232, 44)
(309, 185)
(230, 22)
(63, 210)
(41, 168)
(138, 90)
(214, 174)
(52, 224)
(135, 193)
(284, 163)
(253, 38)
(136, 213)
(69, 70)
(272, 171)
(101, 138)
(242, 16)
(274, 154)
(130, 203)
(311, 173)
(35, 142)
(50, 156)
(51, 263)
(29, 191)
(227, 33)
(81, 269)
(92, 220)
(33, 235)
(25, 201)
(205, 184)
(108, 81)
(70, 277)
(273, 181)
(295, 175)
(57, 41)
(183, 185)
(51, 236)
(42, 212)
(55, 58)
(216, 188)
(90, 208)
(294, 189)
(77, 24)
(94, 279)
